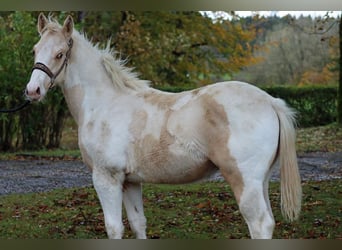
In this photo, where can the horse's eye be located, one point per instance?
(59, 56)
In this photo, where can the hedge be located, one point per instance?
(316, 105)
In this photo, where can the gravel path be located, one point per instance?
(25, 176)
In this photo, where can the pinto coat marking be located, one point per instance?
(130, 133)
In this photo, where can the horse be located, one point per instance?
(130, 133)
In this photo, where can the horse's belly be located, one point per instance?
(177, 171)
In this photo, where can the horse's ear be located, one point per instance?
(42, 22)
(68, 26)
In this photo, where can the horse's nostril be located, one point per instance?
(38, 91)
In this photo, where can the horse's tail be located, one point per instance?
(290, 182)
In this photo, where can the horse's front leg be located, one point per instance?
(132, 198)
(108, 186)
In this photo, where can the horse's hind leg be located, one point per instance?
(109, 189)
(251, 196)
(132, 198)
(256, 210)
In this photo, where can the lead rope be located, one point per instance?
(20, 107)
(44, 68)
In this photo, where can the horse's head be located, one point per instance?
(51, 55)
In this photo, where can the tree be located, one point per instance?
(177, 48)
(292, 52)
(323, 29)
(17, 36)
(168, 48)
(339, 98)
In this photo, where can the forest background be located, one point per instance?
(178, 51)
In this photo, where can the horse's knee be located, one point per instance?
(114, 231)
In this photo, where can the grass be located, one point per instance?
(196, 211)
(205, 211)
(52, 154)
(324, 138)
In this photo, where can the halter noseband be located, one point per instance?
(46, 70)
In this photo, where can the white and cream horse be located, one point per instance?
(130, 133)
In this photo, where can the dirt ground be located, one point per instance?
(41, 175)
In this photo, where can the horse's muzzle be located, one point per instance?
(33, 94)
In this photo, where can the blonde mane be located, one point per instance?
(122, 77)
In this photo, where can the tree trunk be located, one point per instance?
(339, 97)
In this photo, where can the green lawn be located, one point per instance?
(324, 138)
(206, 211)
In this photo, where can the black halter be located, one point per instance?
(46, 70)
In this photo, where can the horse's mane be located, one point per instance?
(122, 77)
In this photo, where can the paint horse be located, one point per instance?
(130, 133)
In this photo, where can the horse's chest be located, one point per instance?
(103, 144)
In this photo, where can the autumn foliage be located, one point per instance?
(172, 49)
(177, 48)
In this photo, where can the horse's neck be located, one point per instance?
(87, 86)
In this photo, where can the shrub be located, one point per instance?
(316, 105)
(40, 125)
